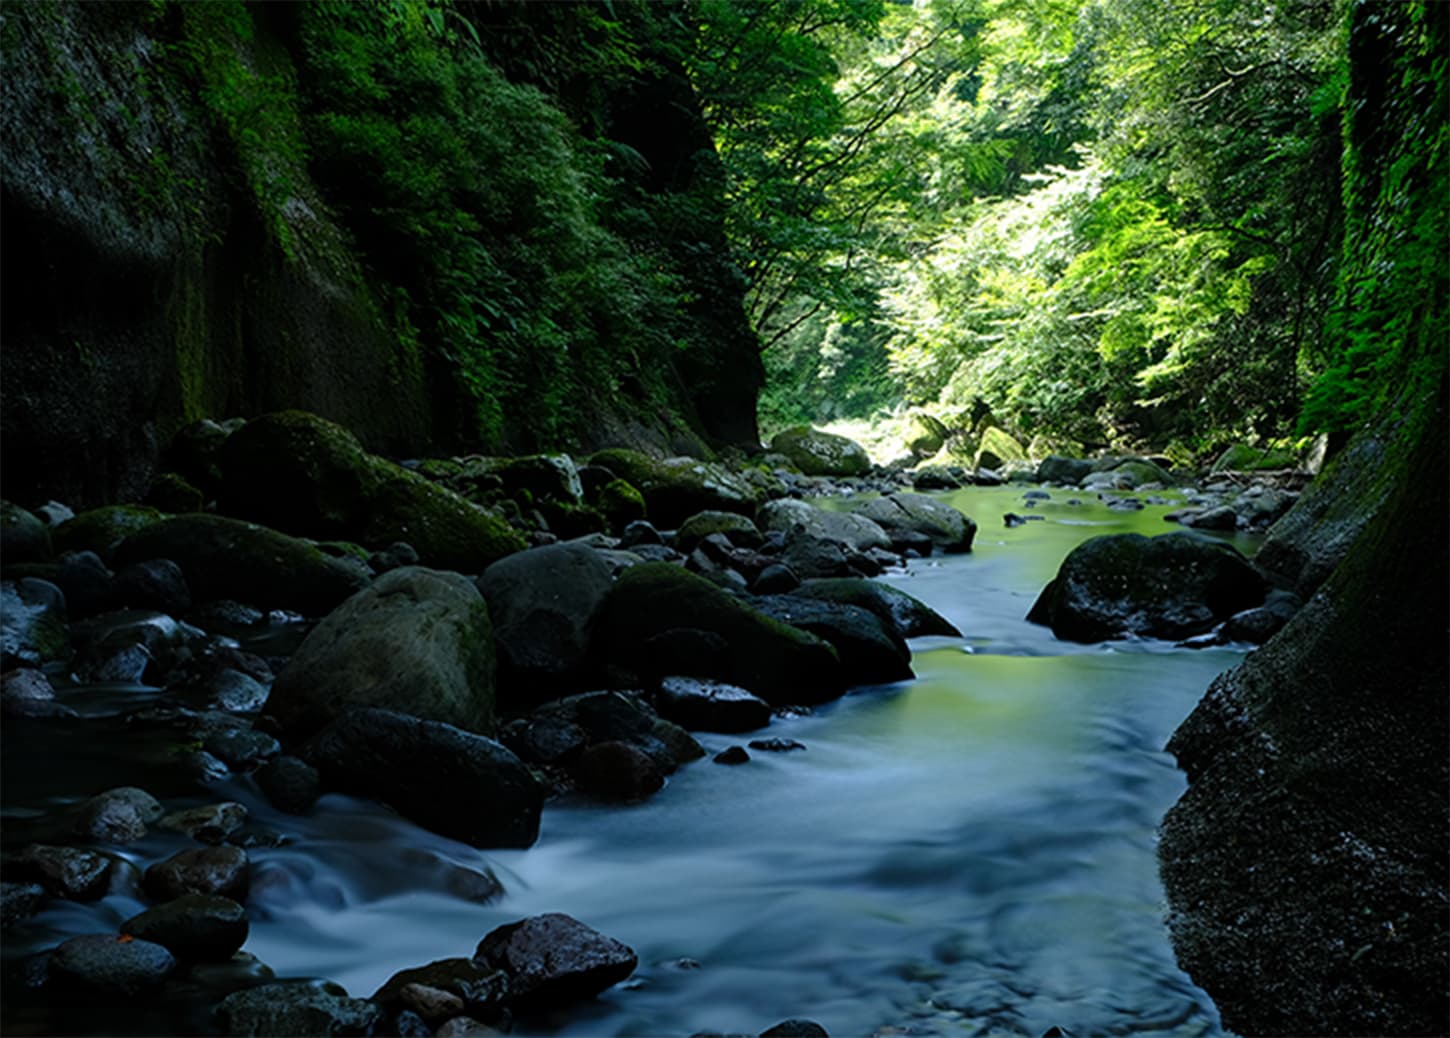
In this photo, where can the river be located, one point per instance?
(969, 853)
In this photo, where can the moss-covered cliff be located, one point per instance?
(220, 209)
(1306, 866)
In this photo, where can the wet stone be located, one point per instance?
(110, 964)
(554, 959)
(462, 1026)
(616, 770)
(19, 901)
(731, 755)
(710, 705)
(241, 748)
(480, 988)
(202, 870)
(66, 872)
(193, 927)
(432, 1004)
(290, 783)
(299, 1009)
(210, 823)
(203, 767)
(234, 691)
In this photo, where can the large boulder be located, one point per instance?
(903, 614)
(856, 532)
(445, 779)
(102, 529)
(1243, 458)
(543, 604)
(925, 434)
(231, 559)
(676, 488)
(417, 640)
(296, 472)
(870, 652)
(948, 529)
(1170, 586)
(818, 453)
(997, 448)
(775, 661)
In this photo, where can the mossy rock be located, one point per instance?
(418, 641)
(171, 492)
(775, 661)
(1043, 446)
(1243, 458)
(1171, 586)
(548, 477)
(622, 503)
(1141, 471)
(997, 448)
(23, 537)
(959, 450)
(568, 520)
(818, 453)
(304, 475)
(676, 488)
(740, 530)
(229, 558)
(101, 529)
(925, 434)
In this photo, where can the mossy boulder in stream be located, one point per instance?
(1243, 458)
(1170, 586)
(998, 447)
(300, 473)
(228, 558)
(417, 640)
(818, 453)
(676, 488)
(777, 662)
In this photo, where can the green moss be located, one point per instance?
(676, 488)
(818, 453)
(621, 503)
(703, 524)
(101, 529)
(1243, 458)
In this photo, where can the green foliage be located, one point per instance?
(1391, 332)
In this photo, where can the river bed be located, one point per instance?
(969, 853)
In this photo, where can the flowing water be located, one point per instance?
(972, 852)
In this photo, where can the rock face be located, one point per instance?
(230, 559)
(232, 279)
(554, 959)
(1313, 835)
(445, 779)
(417, 640)
(818, 453)
(772, 660)
(297, 472)
(1170, 586)
(543, 604)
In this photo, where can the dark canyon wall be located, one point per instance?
(223, 209)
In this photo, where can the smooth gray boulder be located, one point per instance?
(543, 604)
(948, 529)
(418, 641)
(855, 531)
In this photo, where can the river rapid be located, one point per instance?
(969, 853)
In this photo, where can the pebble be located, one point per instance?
(776, 745)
